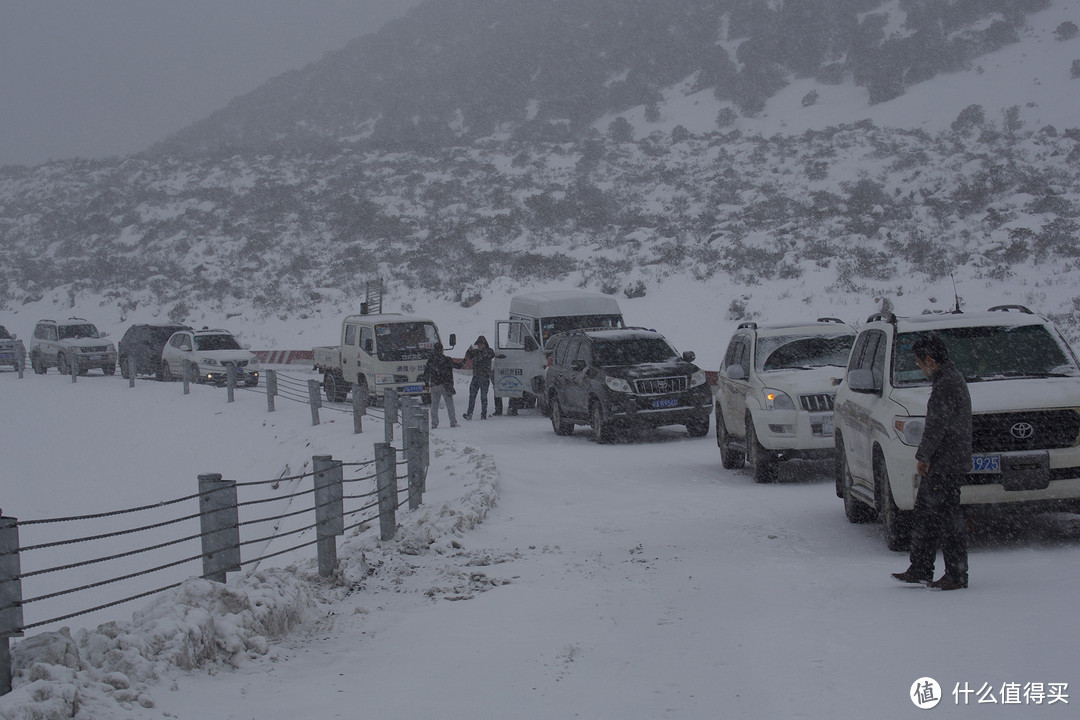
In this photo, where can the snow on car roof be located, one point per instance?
(931, 321)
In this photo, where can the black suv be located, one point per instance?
(144, 343)
(624, 378)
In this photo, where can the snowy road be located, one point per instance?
(632, 580)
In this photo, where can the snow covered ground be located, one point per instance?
(544, 577)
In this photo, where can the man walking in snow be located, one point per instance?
(944, 458)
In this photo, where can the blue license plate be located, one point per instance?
(666, 403)
(985, 464)
(412, 388)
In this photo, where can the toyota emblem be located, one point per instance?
(1022, 430)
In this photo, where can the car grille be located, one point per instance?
(661, 386)
(95, 349)
(821, 402)
(237, 363)
(1033, 430)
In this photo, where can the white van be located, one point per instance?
(518, 368)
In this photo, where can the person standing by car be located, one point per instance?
(439, 377)
(944, 458)
(481, 356)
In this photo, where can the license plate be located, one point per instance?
(984, 464)
(6, 356)
(665, 403)
(412, 388)
(827, 427)
(510, 371)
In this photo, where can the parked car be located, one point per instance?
(11, 349)
(1024, 382)
(144, 343)
(623, 379)
(62, 343)
(211, 353)
(774, 396)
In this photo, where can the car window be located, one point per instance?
(633, 352)
(857, 351)
(561, 351)
(4, 335)
(72, 332)
(584, 353)
(350, 335)
(217, 341)
(786, 352)
(731, 357)
(877, 360)
(179, 340)
(744, 354)
(367, 336)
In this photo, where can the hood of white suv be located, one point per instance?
(795, 381)
(224, 356)
(1002, 396)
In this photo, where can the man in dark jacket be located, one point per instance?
(944, 458)
(481, 356)
(439, 377)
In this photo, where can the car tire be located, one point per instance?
(895, 523)
(38, 366)
(560, 426)
(124, 368)
(165, 372)
(109, 369)
(62, 366)
(334, 386)
(857, 512)
(158, 373)
(730, 458)
(600, 426)
(766, 468)
(838, 467)
(698, 428)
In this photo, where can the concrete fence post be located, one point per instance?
(187, 371)
(271, 389)
(386, 482)
(359, 408)
(313, 400)
(329, 510)
(425, 447)
(131, 364)
(390, 412)
(415, 466)
(219, 519)
(74, 367)
(230, 382)
(11, 617)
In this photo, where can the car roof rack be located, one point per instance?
(1011, 308)
(882, 317)
(749, 324)
(830, 320)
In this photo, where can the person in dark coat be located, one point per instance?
(439, 377)
(944, 458)
(481, 356)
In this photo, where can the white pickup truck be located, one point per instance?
(378, 352)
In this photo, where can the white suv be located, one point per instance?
(1024, 382)
(67, 342)
(211, 352)
(774, 397)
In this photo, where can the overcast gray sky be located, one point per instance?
(93, 78)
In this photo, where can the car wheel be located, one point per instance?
(838, 467)
(766, 465)
(895, 523)
(124, 368)
(165, 372)
(37, 365)
(334, 386)
(158, 373)
(855, 510)
(698, 428)
(560, 426)
(62, 365)
(109, 369)
(600, 426)
(730, 458)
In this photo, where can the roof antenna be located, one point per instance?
(955, 294)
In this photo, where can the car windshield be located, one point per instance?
(69, 332)
(801, 352)
(405, 341)
(219, 341)
(991, 353)
(4, 335)
(554, 325)
(632, 352)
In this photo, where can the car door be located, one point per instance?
(554, 376)
(860, 409)
(518, 359)
(578, 376)
(734, 384)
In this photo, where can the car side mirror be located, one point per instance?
(689, 356)
(185, 347)
(862, 381)
(14, 336)
(453, 341)
(735, 372)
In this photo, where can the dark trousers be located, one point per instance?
(939, 523)
(479, 384)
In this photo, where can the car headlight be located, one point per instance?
(618, 384)
(698, 378)
(909, 429)
(777, 400)
(384, 378)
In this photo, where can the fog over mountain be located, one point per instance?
(818, 150)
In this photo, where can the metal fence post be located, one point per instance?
(131, 370)
(386, 480)
(186, 371)
(11, 617)
(74, 367)
(271, 389)
(313, 400)
(425, 447)
(359, 408)
(412, 456)
(329, 510)
(219, 518)
(20, 356)
(230, 382)
(390, 412)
